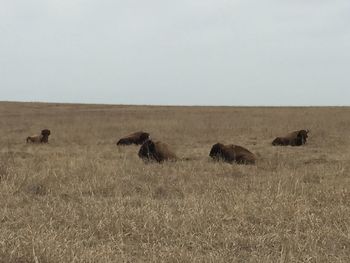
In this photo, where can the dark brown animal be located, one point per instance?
(156, 151)
(134, 138)
(232, 154)
(296, 138)
(42, 138)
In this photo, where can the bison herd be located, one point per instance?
(157, 151)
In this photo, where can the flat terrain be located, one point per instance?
(83, 199)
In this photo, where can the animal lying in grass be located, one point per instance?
(231, 154)
(137, 138)
(296, 138)
(42, 138)
(156, 151)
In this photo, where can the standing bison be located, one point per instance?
(134, 138)
(232, 154)
(156, 151)
(295, 138)
(42, 138)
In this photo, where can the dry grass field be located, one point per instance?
(81, 198)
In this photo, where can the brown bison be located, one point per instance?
(232, 154)
(42, 138)
(134, 138)
(156, 151)
(295, 138)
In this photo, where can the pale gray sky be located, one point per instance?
(187, 52)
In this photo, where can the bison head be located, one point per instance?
(45, 135)
(148, 151)
(301, 137)
(45, 132)
(216, 151)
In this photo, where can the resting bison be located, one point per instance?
(295, 138)
(42, 138)
(134, 138)
(156, 151)
(232, 153)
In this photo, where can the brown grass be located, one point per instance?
(83, 199)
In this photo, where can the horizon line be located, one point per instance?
(174, 105)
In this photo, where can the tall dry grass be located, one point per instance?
(83, 199)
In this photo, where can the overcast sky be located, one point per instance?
(187, 52)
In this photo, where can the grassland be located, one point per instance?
(83, 199)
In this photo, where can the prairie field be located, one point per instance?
(81, 198)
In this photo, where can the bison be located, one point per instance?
(42, 138)
(134, 138)
(232, 154)
(295, 138)
(156, 151)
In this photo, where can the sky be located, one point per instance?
(183, 52)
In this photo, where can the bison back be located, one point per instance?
(243, 155)
(164, 152)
